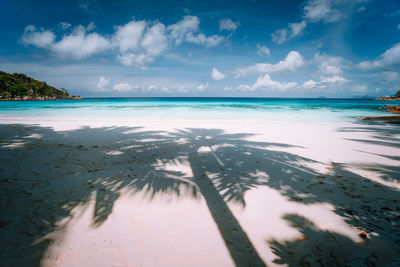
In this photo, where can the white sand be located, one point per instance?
(168, 192)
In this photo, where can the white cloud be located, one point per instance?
(155, 41)
(91, 27)
(79, 44)
(297, 28)
(216, 75)
(139, 42)
(127, 37)
(398, 26)
(65, 25)
(265, 83)
(186, 30)
(309, 84)
(76, 45)
(390, 58)
(321, 10)
(42, 38)
(328, 65)
(263, 50)
(104, 85)
(325, 82)
(202, 39)
(228, 25)
(179, 30)
(131, 59)
(282, 35)
(122, 87)
(292, 61)
(202, 86)
(333, 79)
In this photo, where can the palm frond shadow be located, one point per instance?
(224, 167)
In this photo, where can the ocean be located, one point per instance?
(315, 109)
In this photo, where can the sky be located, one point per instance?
(310, 48)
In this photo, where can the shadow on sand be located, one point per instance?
(224, 167)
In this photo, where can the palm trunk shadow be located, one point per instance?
(236, 240)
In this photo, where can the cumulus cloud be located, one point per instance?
(202, 39)
(333, 79)
(328, 65)
(294, 29)
(389, 59)
(132, 59)
(293, 61)
(80, 45)
(127, 37)
(122, 87)
(216, 75)
(76, 45)
(202, 86)
(104, 85)
(266, 83)
(309, 84)
(139, 42)
(325, 82)
(228, 25)
(263, 50)
(155, 40)
(330, 72)
(40, 38)
(179, 30)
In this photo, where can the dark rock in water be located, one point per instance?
(389, 119)
(393, 109)
(363, 235)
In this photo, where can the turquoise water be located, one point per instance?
(273, 108)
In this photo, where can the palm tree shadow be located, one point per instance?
(121, 159)
(317, 247)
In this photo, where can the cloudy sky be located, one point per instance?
(309, 48)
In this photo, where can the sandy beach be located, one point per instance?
(176, 192)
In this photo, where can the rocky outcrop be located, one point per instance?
(393, 109)
(388, 119)
(388, 98)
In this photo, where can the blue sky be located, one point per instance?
(311, 48)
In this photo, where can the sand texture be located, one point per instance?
(199, 193)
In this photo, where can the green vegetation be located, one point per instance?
(19, 85)
(397, 95)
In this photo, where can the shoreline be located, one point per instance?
(42, 98)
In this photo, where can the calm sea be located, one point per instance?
(191, 107)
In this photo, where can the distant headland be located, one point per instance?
(18, 86)
(395, 97)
